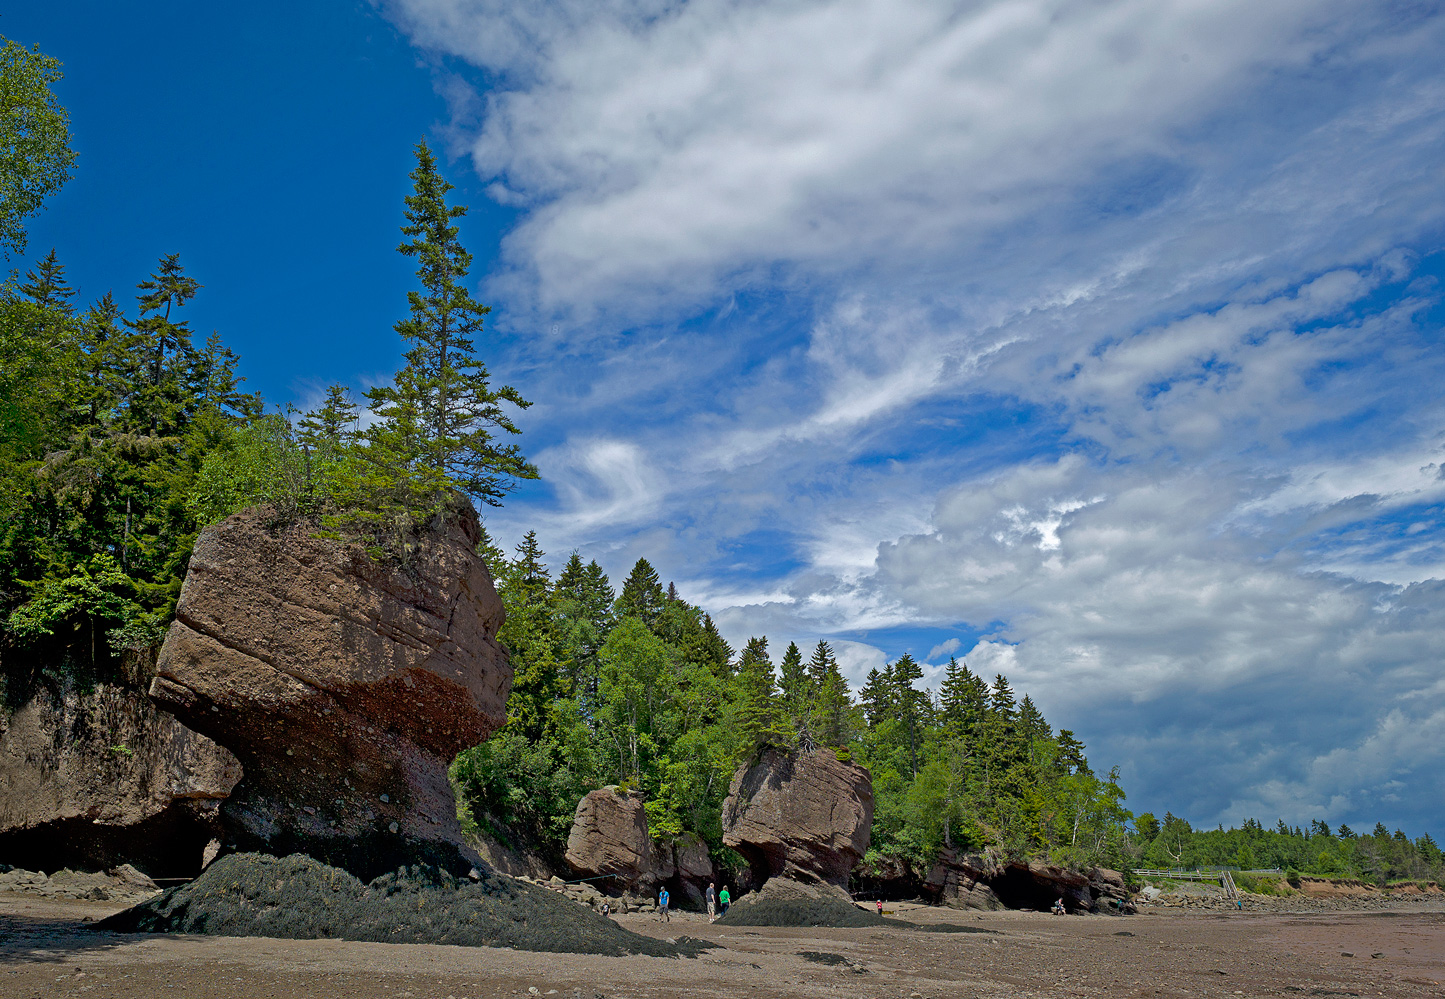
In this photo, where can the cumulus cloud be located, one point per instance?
(1109, 327)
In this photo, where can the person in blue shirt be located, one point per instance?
(662, 913)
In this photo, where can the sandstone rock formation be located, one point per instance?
(344, 686)
(96, 779)
(610, 837)
(802, 816)
(967, 880)
(959, 881)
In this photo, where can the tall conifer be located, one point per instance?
(440, 418)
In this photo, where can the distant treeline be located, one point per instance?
(1380, 855)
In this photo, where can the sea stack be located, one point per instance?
(344, 685)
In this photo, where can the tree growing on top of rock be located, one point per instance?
(440, 419)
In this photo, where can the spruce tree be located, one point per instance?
(440, 418)
(910, 703)
(760, 720)
(876, 697)
(166, 289)
(830, 697)
(794, 685)
(642, 596)
(332, 425)
(718, 653)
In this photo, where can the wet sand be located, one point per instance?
(45, 950)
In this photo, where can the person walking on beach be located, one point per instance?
(724, 899)
(662, 914)
(711, 902)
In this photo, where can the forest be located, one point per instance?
(121, 437)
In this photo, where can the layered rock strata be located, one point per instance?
(99, 778)
(801, 816)
(984, 881)
(344, 686)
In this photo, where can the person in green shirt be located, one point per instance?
(724, 900)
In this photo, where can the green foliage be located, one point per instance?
(438, 421)
(104, 425)
(35, 153)
(1379, 856)
(120, 437)
(657, 703)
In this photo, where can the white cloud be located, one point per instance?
(943, 649)
(1021, 316)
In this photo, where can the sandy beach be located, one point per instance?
(46, 950)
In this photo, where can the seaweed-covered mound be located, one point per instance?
(296, 897)
(783, 902)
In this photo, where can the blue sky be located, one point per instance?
(1098, 343)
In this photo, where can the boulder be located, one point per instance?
(691, 859)
(610, 837)
(344, 686)
(103, 777)
(123, 883)
(804, 816)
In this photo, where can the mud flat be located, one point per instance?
(47, 949)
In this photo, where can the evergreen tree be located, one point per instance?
(718, 654)
(46, 286)
(642, 595)
(877, 697)
(332, 425)
(440, 417)
(493, 555)
(909, 703)
(167, 289)
(760, 720)
(794, 686)
(831, 702)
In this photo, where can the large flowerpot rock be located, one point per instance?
(344, 686)
(101, 778)
(805, 816)
(610, 837)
